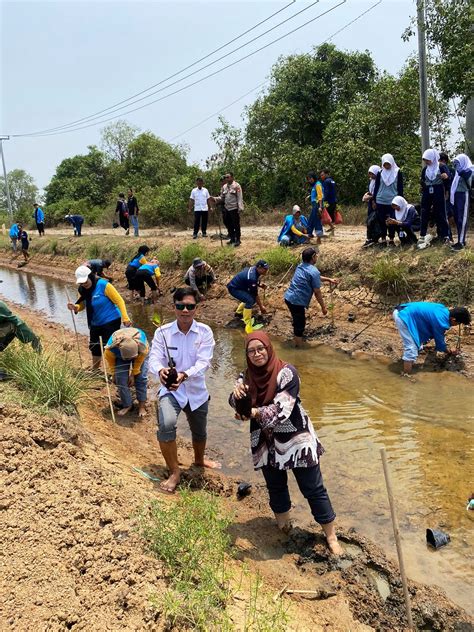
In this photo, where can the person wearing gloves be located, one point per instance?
(39, 219)
(283, 439)
(419, 322)
(405, 221)
(244, 287)
(373, 230)
(126, 356)
(105, 309)
(459, 196)
(12, 327)
(434, 184)
(294, 229)
(388, 184)
(200, 276)
(150, 274)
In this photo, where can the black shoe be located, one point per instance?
(204, 234)
(382, 244)
(369, 243)
(127, 232)
(457, 247)
(237, 244)
(231, 242)
(195, 236)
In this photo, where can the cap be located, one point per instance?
(296, 209)
(198, 262)
(82, 274)
(261, 263)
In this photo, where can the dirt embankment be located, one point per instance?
(360, 317)
(72, 557)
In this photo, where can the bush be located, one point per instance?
(190, 252)
(279, 259)
(48, 378)
(390, 276)
(222, 258)
(167, 256)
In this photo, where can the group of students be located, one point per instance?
(445, 198)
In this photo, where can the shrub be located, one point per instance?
(167, 256)
(190, 252)
(389, 276)
(93, 250)
(48, 378)
(279, 259)
(222, 258)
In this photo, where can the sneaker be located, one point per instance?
(446, 242)
(369, 243)
(422, 244)
(428, 238)
(195, 236)
(230, 242)
(457, 247)
(237, 244)
(204, 234)
(391, 244)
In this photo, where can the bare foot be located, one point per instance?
(334, 546)
(123, 411)
(142, 409)
(169, 486)
(212, 465)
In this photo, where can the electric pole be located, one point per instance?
(7, 188)
(423, 81)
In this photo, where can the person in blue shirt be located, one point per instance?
(25, 243)
(150, 274)
(388, 184)
(305, 282)
(244, 287)
(97, 267)
(316, 197)
(14, 236)
(405, 222)
(419, 322)
(138, 260)
(76, 222)
(39, 219)
(329, 196)
(459, 196)
(294, 229)
(434, 181)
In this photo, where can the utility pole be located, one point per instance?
(423, 81)
(7, 188)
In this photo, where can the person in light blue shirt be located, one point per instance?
(305, 282)
(39, 219)
(14, 233)
(419, 322)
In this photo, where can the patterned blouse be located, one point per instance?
(282, 435)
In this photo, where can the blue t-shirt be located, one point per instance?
(306, 279)
(246, 281)
(329, 191)
(426, 321)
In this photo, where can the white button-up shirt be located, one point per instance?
(200, 197)
(192, 355)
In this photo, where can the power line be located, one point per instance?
(212, 74)
(260, 85)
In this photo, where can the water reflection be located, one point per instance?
(357, 407)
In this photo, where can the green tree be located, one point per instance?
(116, 138)
(23, 194)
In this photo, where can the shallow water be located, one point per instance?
(357, 407)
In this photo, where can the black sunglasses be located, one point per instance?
(182, 306)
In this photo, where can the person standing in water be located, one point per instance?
(282, 435)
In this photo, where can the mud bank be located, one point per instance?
(73, 558)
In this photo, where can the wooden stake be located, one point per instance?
(73, 315)
(106, 379)
(396, 533)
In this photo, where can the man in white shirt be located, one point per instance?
(199, 201)
(191, 345)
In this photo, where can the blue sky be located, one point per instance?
(61, 61)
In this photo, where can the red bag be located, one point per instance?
(338, 219)
(325, 217)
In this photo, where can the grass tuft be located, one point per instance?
(167, 256)
(222, 259)
(279, 259)
(389, 276)
(47, 378)
(190, 252)
(93, 250)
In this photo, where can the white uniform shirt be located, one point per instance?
(192, 355)
(200, 197)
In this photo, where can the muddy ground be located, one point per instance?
(72, 558)
(360, 321)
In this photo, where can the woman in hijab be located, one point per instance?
(282, 435)
(434, 184)
(373, 231)
(459, 196)
(405, 220)
(388, 184)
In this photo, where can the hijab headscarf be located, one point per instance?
(389, 175)
(374, 169)
(403, 204)
(464, 163)
(432, 169)
(262, 380)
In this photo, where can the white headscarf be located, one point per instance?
(373, 169)
(389, 175)
(403, 204)
(432, 169)
(464, 164)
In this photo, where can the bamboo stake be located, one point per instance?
(285, 275)
(106, 379)
(396, 533)
(73, 316)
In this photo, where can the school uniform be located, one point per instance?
(388, 184)
(409, 219)
(373, 230)
(460, 195)
(433, 199)
(330, 197)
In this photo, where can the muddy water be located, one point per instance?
(357, 407)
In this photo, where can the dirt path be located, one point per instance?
(71, 557)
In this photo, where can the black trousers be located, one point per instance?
(130, 274)
(331, 208)
(142, 277)
(234, 225)
(200, 219)
(310, 482)
(409, 237)
(40, 227)
(298, 314)
(102, 331)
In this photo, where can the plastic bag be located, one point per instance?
(325, 217)
(338, 218)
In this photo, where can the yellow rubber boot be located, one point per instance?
(240, 308)
(247, 318)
